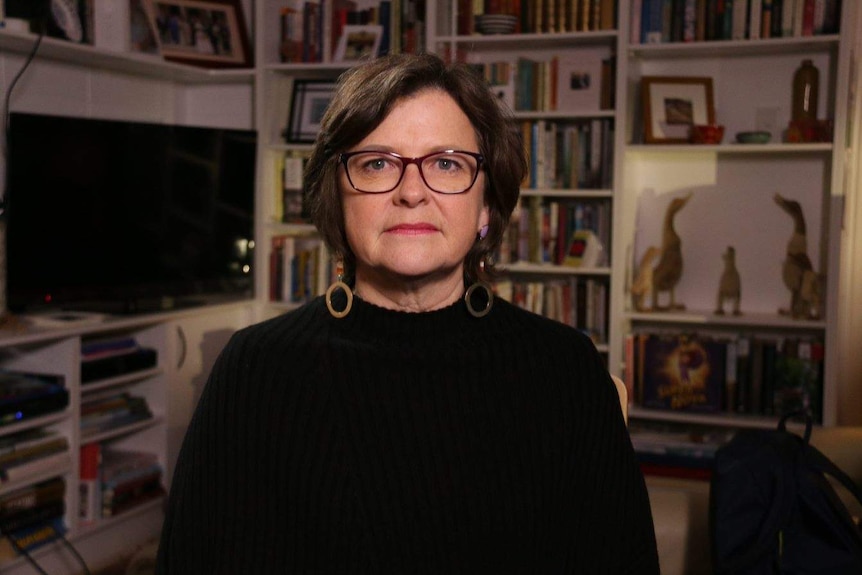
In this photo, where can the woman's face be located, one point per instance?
(413, 234)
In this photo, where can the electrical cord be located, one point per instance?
(26, 554)
(8, 97)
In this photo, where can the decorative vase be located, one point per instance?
(806, 83)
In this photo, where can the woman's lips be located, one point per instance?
(412, 229)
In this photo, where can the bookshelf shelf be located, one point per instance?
(716, 419)
(778, 149)
(567, 193)
(550, 269)
(544, 40)
(121, 431)
(89, 388)
(124, 62)
(708, 319)
(734, 48)
(563, 114)
(55, 471)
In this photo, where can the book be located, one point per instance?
(52, 444)
(59, 461)
(116, 463)
(31, 538)
(32, 496)
(89, 485)
(683, 373)
(127, 361)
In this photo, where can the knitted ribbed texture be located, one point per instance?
(390, 442)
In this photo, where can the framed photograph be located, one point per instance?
(309, 102)
(358, 42)
(672, 104)
(206, 33)
(579, 80)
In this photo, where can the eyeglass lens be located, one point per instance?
(444, 172)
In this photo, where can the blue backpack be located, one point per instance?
(773, 510)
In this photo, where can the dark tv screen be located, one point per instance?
(122, 217)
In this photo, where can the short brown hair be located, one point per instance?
(364, 97)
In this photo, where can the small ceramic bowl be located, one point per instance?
(753, 137)
(706, 134)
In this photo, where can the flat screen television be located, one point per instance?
(122, 217)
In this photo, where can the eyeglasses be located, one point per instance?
(446, 172)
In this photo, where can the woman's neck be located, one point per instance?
(409, 294)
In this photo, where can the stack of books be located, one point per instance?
(104, 358)
(683, 451)
(24, 395)
(116, 480)
(112, 412)
(27, 453)
(32, 516)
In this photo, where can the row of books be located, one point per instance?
(32, 516)
(580, 81)
(661, 21)
(579, 302)
(299, 268)
(25, 395)
(542, 16)
(318, 31)
(103, 358)
(569, 155)
(746, 374)
(547, 231)
(30, 452)
(112, 411)
(113, 481)
(289, 188)
(674, 450)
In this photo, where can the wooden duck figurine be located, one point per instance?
(668, 271)
(797, 265)
(729, 286)
(642, 286)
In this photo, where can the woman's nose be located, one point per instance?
(412, 189)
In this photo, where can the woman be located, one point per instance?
(408, 422)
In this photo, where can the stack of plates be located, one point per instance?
(496, 23)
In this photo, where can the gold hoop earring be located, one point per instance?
(468, 296)
(339, 284)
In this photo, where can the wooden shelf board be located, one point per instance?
(706, 318)
(550, 269)
(125, 62)
(734, 48)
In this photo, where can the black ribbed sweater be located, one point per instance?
(391, 442)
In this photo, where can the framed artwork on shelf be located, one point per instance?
(579, 80)
(309, 102)
(672, 104)
(206, 33)
(358, 42)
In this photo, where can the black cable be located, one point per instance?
(21, 551)
(76, 554)
(8, 97)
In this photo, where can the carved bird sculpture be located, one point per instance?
(796, 269)
(642, 286)
(668, 271)
(729, 286)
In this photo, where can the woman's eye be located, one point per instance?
(447, 164)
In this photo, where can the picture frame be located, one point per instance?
(205, 33)
(307, 105)
(358, 42)
(672, 104)
(579, 80)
